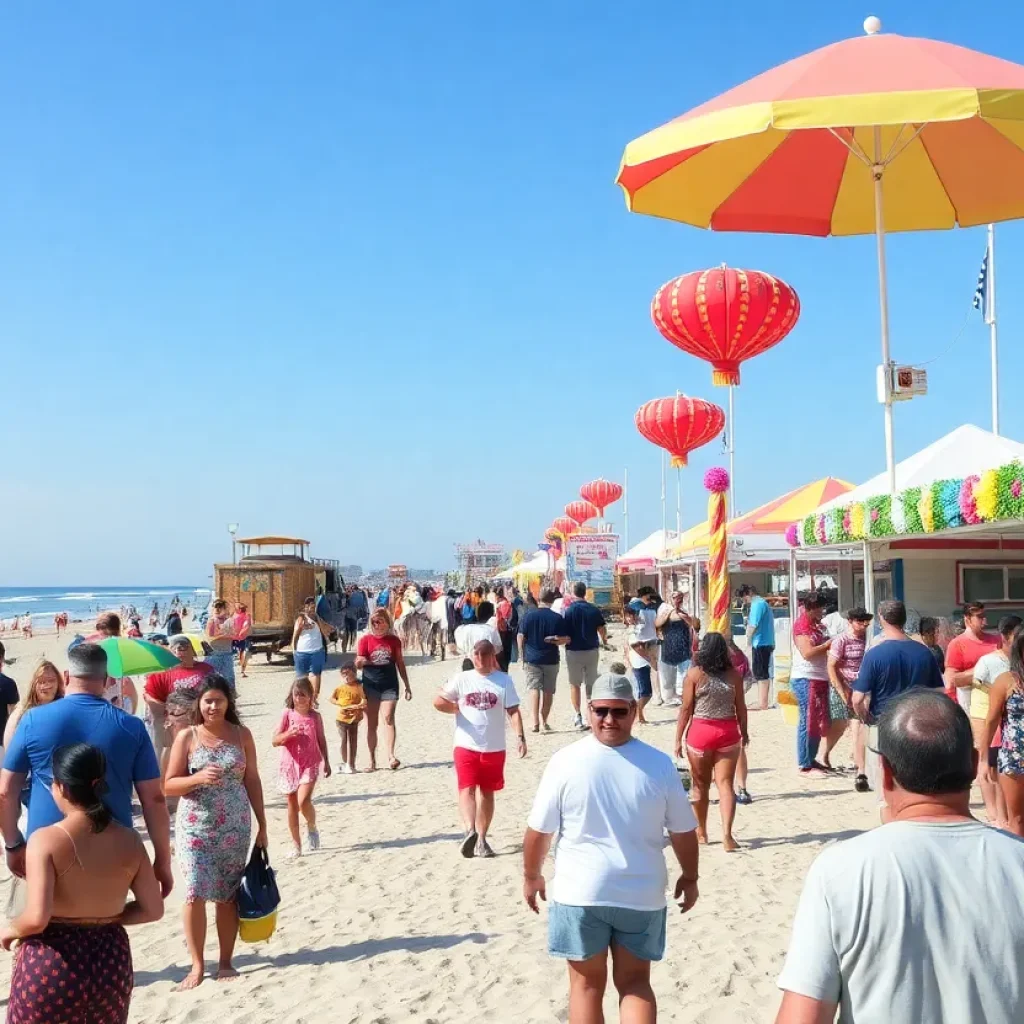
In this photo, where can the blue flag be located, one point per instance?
(981, 292)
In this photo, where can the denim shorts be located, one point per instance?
(578, 933)
(643, 682)
(309, 663)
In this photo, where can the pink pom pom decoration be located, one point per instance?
(791, 537)
(716, 480)
(819, 529)
(968, 506)
(1015, 488)
(846, 520)
(874, 515)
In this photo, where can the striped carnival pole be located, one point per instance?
(717, 483)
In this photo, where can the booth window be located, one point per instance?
(992, 582)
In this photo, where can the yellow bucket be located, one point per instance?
(257, 929)
(790, 707)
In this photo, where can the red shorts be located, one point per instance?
(480, 768)
(708, 734)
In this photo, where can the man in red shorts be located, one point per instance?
(480, 698)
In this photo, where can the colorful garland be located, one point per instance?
(993, 496)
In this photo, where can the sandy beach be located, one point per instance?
(389, 924)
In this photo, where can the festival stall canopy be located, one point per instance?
(766, 526)
(970, 477)
(535, 565)
(645, 554)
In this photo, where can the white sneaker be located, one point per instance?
(673, 703)
(313, 841)
(294, 853)
(347, 769)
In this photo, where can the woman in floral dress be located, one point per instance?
(213, 770)
(1006, 710)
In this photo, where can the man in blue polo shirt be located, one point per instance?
(890, 668)
(541, 632)
(83, 716)
(587, 633)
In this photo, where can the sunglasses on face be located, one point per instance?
(614, 712)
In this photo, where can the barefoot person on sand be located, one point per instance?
(74, 962)
(350, 700)
(480, 699)
(609, 799)
(379, 657)
(213, 771)
(304, 756)
(713, 719)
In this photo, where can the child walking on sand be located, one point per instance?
(300, 735)
(350, 701)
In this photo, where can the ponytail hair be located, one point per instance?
(80, 770)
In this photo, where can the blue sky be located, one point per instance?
(360, 272)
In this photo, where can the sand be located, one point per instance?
(388, 924)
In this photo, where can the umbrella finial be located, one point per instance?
(872, 25)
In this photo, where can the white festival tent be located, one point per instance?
(645, 554)
(964, 451)
(536, 565)
(931, 565)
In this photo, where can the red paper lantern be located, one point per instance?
(565, 526)
(580, 511)
(680, 425)
(601, 493)
(725, 316)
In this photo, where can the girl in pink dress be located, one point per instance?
(300, 735)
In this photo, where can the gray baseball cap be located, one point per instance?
(612, 687)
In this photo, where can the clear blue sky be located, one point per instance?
(364, 268)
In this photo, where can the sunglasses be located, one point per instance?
(614, 712)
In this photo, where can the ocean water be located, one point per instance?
(82, 603)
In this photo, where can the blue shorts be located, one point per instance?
(643, 682)
(309, 663)
(578, 933)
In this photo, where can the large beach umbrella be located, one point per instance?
(127, 657)
(873, 134)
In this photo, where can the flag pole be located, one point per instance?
(625, 509)
(664, 513)
(990, 319)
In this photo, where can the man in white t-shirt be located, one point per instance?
(609, 800)
(480, 698)
(484, 628)
(917, 920)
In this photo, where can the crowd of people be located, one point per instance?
(927, 725)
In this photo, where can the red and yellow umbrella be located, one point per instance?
(873, 134)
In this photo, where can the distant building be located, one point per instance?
(351, 572)
(478, 561)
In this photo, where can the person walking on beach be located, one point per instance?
(677, 629)
(8, 697)
(45, 686)
(481, 699)
(350, 700)
(220, 633)
(74, 961)
(541, 633)
(213, 772)
(903, 923)
(121, 692)
(187, 676)
(713, 720)
(965, 651)
(172, 624)
(761, 638)
(304, 757)
(379, 657)
(640, 655)
(478, 628)
(810, 683)
(587, 635)
(844, 660)
(308, 650)
(507, 620)
(889, 669)
(1004, 718)
(241, 645)
(83, 716)
(609, 799)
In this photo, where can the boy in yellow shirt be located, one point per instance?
(350, 701)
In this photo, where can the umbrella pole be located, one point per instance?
(883, 299)
(732, 452)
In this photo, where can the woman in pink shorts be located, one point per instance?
(713, 719)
